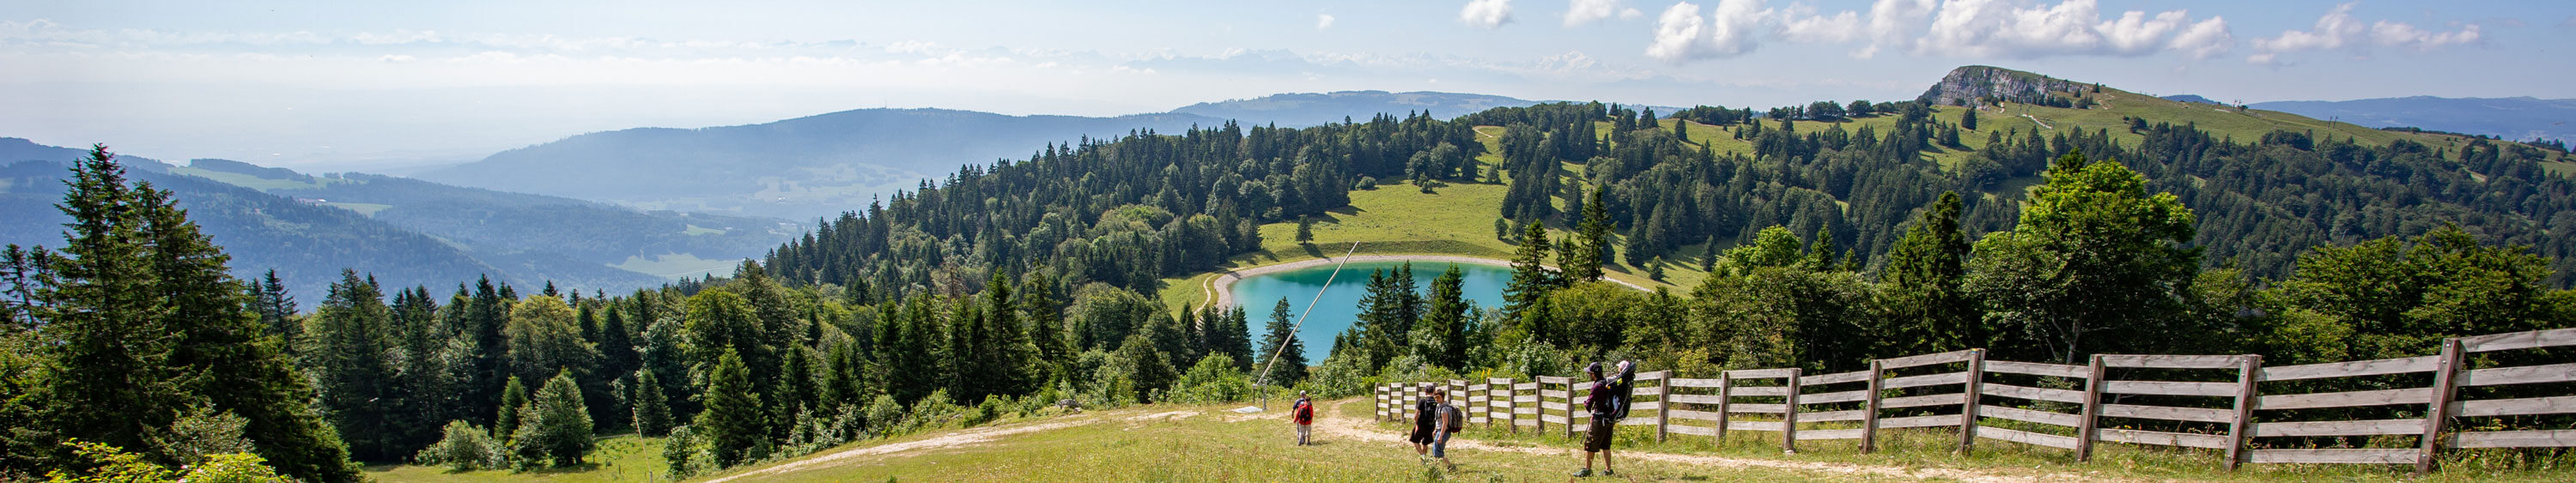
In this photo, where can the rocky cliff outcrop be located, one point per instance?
(1976, 83)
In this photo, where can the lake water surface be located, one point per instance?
(1340, 306)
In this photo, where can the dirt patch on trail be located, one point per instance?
(951, 440)
(1354, 429)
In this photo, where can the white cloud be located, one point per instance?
(1895, 24)
(2002, 29)
(1323, 22)
(1581, 12)
(1486, 13)
(1677, 33)
(1800, 23)
(2203, 40)
(1737, 23)
(2338, 30)
(1681, 34)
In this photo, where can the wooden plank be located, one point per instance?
(1923, 360)
(1685, 414)
(1942, 379)
(1951, 399)
(1526, 386)
(2026, 437)
(1553, 394)
(2519, 340)
(1745, 408)
(1552, 418)
(1693, 430)
(1686, 382)
(2035, 369)
(1758, 391)
(2519, 375)
(2344, 399)
(1529, 399)
(1835, 378)
(2033, 393)
(1641, 407)
(2029, 416)
(1555, 380)
(2244, 409)
(1833, 397)
(2376, 367)
(2172, 362)
(2167, 388)
(2550, 438)
(2206, 415)
(1822, 434)
(1919, 422)
(2352, 456)
(1825, 416)
(1640, 422)
(1499, 381)
(2210, 441)
(1654, 376)
(1524, 410)
(2515, 407)
(1695, 399)
(1761, 373)
(1752, 425)
(2339, 428)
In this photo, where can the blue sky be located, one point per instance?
(378, 85)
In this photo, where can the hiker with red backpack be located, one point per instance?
(1303, 413)
(1608, 404)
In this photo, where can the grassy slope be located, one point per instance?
(619, 458)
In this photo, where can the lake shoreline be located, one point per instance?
(1222, 285)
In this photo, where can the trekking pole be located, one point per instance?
(1264, 380)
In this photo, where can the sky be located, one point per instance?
(387, 86)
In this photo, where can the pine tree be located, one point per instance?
(652, 409)
(348, 353)
(277, 309)
(558, 424)
(1289, 365)
(514, 396)
(1924, 272)
(1046, 325)
(1531, 280)
(732, 424)
(1968, 120)
(1592, 249)
(1305, 230)
(1446, 317)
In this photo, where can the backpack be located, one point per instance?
(1457, 419)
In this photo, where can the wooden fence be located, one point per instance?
(2215, 402)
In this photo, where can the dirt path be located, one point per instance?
(1353, 429)
(951, 440)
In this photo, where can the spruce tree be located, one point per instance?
(732, 423)
(1290, 364)
(1592, 250)
(1446, 316)
(1046, 324)
(1531, 280)
(514, 396)
(652, 409)
(558, 424)
(348, 359)
(1923, 274)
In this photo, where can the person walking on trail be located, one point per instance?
(1608, 404)
(1424, 412)
(1449, 421)
(1303, 413)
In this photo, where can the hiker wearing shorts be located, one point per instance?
(1448, 421)
(1424, 412)
(1303, 413)
(1607, 403)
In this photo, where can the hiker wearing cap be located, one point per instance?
(1608, 403)
(1303, 413)
(1425, 412)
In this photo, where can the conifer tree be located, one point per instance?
(732, 422)
(1446, 316)
(1290, 365)
(355, 379)
(514, 396)
(557, 424)
(1592, 249)
(1045, 325)
(1923, 274)
(652, 409)
(1531, 280)
(276, 309)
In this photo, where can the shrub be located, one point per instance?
(463, 447)
(1213, 380)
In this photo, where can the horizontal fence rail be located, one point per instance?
(2224, 406)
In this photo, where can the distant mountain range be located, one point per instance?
(406, 232)
(2511, 118)
(819, 166)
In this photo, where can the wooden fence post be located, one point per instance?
(1538, 397)
(2437, 417)
(2246, 375)
(1663, 405)
(1973, 393)
(1511, 406)
(1789, 415)
(1379, 392)
(1869, 412)
(1725, 388)
(1569, 408)
(2092, 411)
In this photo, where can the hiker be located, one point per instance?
(1608, 404)
(1424, 411)
(1303, 413)
(1448, 422)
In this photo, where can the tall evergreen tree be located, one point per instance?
(276, 309)
(652, 409)
(557, 427)
(1280, 338)
(732, 424)
(1531, 280)
(1446, 317)
(1931, 313)
(348, 359)
(1592, 247)
(514, 397)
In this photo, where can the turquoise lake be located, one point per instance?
(1340, 304)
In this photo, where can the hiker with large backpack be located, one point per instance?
(1425, 414)
(1303, 413)
(1448, 422)
(1608, 404)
